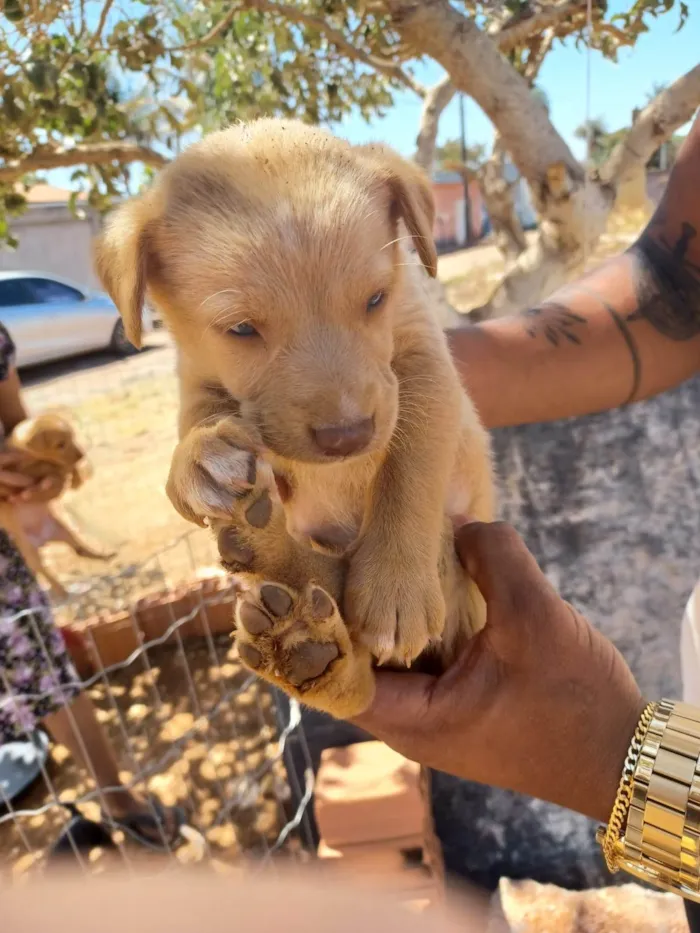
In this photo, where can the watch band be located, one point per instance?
(661, 842)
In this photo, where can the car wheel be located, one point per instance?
(120, 343)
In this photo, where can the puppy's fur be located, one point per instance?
(49, 450)
(280, 227)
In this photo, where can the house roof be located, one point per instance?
(48, 194)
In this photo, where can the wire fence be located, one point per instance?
(212, 741)
(188, 725)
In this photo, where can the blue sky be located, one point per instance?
(660, 56)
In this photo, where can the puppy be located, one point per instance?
(49, 450)
(324, 433)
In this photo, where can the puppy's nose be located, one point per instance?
(341, 440)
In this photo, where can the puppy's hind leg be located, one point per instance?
(289, 629)
(64, 530)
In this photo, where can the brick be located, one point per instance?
(368, 793)
(378, 865)
(78, 651)
(407, 846)
(112, 638)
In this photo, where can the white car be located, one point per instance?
(50, 318)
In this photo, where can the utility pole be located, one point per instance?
(463, 141)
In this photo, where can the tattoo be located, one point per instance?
(623, 327)
(554, 321)
(667, 284)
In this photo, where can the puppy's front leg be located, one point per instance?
(393, 593)
(215, 462)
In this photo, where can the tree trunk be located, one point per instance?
(573, 211)
(435, 100)
(498, 194)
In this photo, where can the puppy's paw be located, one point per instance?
(211, 470)
(394, 604)
(299, 642)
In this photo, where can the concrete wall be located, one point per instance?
(52, 240)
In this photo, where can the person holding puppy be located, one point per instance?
(38, 683)
(541, 702)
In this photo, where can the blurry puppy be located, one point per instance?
(49, 450)
(324, 431)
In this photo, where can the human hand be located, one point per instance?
(540, 702)
(16, 487)
(41, 491)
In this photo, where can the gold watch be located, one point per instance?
(654, 829)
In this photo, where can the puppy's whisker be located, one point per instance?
(397, 240)
(224, 291)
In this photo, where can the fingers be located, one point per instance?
(494, 556)
(46, 489)
(14, 480)
(516, 591)
(402, 702)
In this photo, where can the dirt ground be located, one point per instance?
(202, 735)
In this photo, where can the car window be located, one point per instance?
(14, 292)
(46, 291)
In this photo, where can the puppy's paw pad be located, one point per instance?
(235, 554)
(309, 660)
(260, 512)
(254, 620)
(276, 599)
(293, 638)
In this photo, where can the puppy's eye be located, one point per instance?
(376, 300)
(244, 329)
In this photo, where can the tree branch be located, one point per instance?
(539, 48)
(336, 38)
(97, 35)
(85, 154)
(668, 111)
(478, 68)
(215, 31)
(435, 100)
(517, 34)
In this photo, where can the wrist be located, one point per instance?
(602, 734)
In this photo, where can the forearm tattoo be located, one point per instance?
(667, 289)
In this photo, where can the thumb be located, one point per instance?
(495, 557)
(402, 701)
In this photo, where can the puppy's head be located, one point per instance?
(49, 437)
(276, 254)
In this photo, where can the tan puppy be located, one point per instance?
(50, 451)
(321, 415)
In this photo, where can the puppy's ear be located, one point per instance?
(411, 199)
(121, 260)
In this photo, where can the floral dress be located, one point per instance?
(36, 674)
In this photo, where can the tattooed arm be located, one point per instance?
(624, 332)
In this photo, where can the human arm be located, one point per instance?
(626, 331)
(540, 703)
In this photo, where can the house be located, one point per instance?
(450, 215)
(448, 192)
(52, 239)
